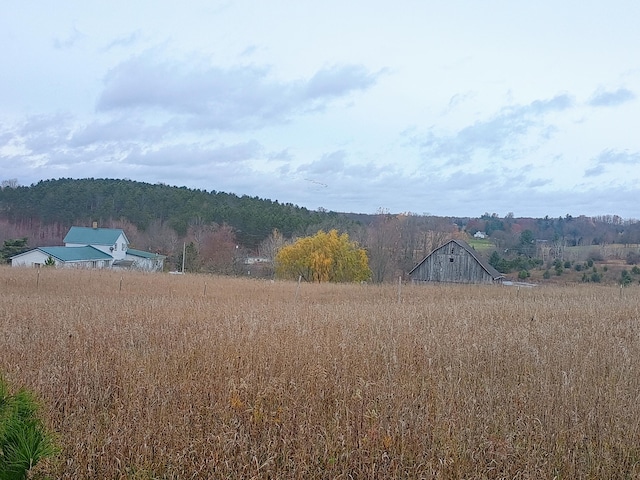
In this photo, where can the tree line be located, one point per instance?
(217, 231)
(67, 202)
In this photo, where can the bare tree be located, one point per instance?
(218, 250)
(9, 183)
(161, 237)
(383, 238)
(271, 245)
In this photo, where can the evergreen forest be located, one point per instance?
(218, 231)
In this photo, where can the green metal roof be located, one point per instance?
(143, 254)
(94, 236)
(75, 254)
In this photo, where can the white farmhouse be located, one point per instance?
(92, 247)
(111, 241)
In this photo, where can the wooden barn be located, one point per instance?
(454, 262)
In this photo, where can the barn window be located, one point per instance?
(451, 259)
(452, 251)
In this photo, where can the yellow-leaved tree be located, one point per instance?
(324, 257)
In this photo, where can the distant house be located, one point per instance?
(255, 260)
(92, 247)
(454, 262)
(479, 234)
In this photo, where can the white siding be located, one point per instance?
(118, 253)
(30, 259)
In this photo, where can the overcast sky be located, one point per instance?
(448, 108)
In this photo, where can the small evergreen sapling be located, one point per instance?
(23, 438)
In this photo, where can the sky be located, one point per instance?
(455, 108)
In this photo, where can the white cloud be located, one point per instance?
(214, 97)
(500, 135)
(603, 98)
(454, 109)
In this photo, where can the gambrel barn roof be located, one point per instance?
(456, 262)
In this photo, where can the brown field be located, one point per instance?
(176, 377)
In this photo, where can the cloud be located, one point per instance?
(329, 163)
(282, 155)
(74, 37)
(610, 157)
(458, 99)
(40, 134)
(538, 182)
(191, 156)
(498, 135)
(594, 171)
(248, 51)
(338, 81)
(602, 98)
(211, 97)
(124, 41)
(118, 129)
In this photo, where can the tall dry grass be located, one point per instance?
(159, 376)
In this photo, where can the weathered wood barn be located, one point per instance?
(454, 262)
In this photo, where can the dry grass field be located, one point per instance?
(176, 377)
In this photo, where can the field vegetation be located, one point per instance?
(160, 376)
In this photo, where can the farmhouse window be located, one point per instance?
(115, 247)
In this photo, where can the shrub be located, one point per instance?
(633, 258)
(547, 274)
(523, 274)
(635, 270)
(578, 267)
(23, 439)
(518, 263)
(596, 277)
(595, 256)
(567, 264)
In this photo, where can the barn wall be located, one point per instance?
(451, 263)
